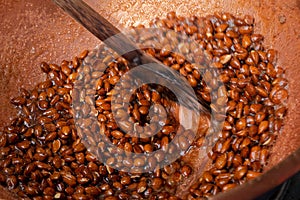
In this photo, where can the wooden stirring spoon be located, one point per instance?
(113, 38)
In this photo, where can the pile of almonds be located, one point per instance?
(43, 152)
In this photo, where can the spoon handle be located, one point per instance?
(101, 28)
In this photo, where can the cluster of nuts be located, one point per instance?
(51, 150)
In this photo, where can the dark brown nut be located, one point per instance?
(94, 191)
(259, 117)
(192, 81)
(271, 54)
(207, 176)
(240, 172)
(141, 187)
(246, 41)
(65, 130)
(254, 108)
(229, 186)
(143, 110)
(241, 124)
(68, 178)
(263, 126)
(45, 67)
(66, 70)
(29, 168)
(49, 191)
(40, 156)
(280, 112)
(44, 120)
(254, 70)
(117, 134)
(54, 100)
(226, 146)
(246, 142)
(237, 160)
(205, 188)
(79, 147)
(239, 111)
(132, 186)
(282, 82)
(253, 130)
(221, 182)
(245, 29)
(54, 67)
(251, 174)
(50, 127)
(235, 63)
(256, 37)
(56, 145)
(250, 89)
(44, 85)
(18, 101)
(117, 185)
(29, 132)
(231, 34)
(42, 96)
(222, 28)
(125, 180)
(164, 143)
(230, 156)
(221, 161)
(24, 144)
(263, 156)
(83, 54)
(278, 95)
(32, 190)
(262, 91)
(137, 149)
(227, 126)
(156, 183)
(51, 136)
(255, 153)
(255, 57)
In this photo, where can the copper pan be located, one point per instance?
(32, 31)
